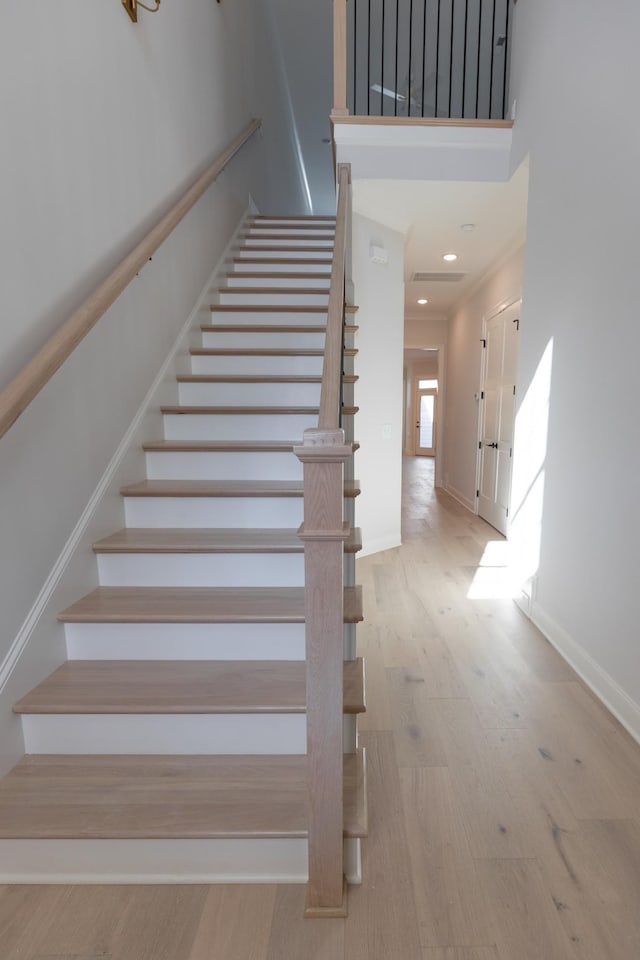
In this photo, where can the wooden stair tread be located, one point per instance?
(224, 488)
(264, 352)
(321, 235)
(295, 248)
(162, 687)
(199, 605)
(257, 351)
(175, 409)
(255, 378)
(221, 446)
(168, 797)
(261, 328)
(267, 308)
(258, 275)
(211, 540)
(241, 291)
(282, 260)
(300, 216)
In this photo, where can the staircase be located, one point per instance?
(171, 746)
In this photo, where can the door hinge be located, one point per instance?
(510, 451)
(477, 493)
(482, 395)
(483, 342)
(514, 389)
(507, 511)
(517, 323)
(480, 445)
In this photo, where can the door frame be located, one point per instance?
(409, 448)
(487, 317)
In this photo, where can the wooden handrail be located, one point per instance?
(329, 417)
(16, 397)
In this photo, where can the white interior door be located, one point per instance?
(426, 423)
(498, 415)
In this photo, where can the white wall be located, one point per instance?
(379, 292)
(503, 285)
(104, 123)
(576, 81)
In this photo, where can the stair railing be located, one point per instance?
(19, 393)
(323, 454)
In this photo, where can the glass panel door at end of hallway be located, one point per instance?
(426, 423)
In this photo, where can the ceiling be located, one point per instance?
(430, 214)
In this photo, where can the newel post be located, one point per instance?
(323, 531)
(340, 59)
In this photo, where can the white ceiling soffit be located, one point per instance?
(430, 214)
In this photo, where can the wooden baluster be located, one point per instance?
(323, 454)
(340, 59)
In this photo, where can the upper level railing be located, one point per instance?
(323, 454)
(16, 397)
(422, 58)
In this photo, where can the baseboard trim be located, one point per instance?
(30, 623)
(608, 691)
(460, 497)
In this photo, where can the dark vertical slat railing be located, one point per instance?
(479, 51)
(449, 82)
(506, 48)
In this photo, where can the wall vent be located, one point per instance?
(438, 277)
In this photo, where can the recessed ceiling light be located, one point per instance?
(423, 301)
(449, 257)
(467, 227)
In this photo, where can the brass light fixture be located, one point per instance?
(131, 6)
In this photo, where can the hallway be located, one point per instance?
(503, 799)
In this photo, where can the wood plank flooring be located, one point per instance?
(504, 801)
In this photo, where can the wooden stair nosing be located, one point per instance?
(224, 488)
(252, 291)
(262, 328)
(192, 410)
(257, 275)
(256, 351)
(264, 352)
(301, 216)
(160, 687)
(212, 540)
(256, 378)
(266, 308)
(199, 605)
(282, 261)
(274, 248)
(58, 797)
(321, 236)
(231, 446)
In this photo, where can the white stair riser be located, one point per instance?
(292, 298)
(223, 466)
(260, 860)
(213, 511)
(322, 265)
(292, 318)
(237, 426)
(249, 394)
(325, 243)
(317, 282)
(239, 860)
(257, 251)
(225, 363)
(321, 230)
(329, 222)
(201, 570)
(184, 734)
(185, 641)
(238, 338)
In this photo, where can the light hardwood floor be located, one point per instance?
(504, 801)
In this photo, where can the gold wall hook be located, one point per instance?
(131, 6)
